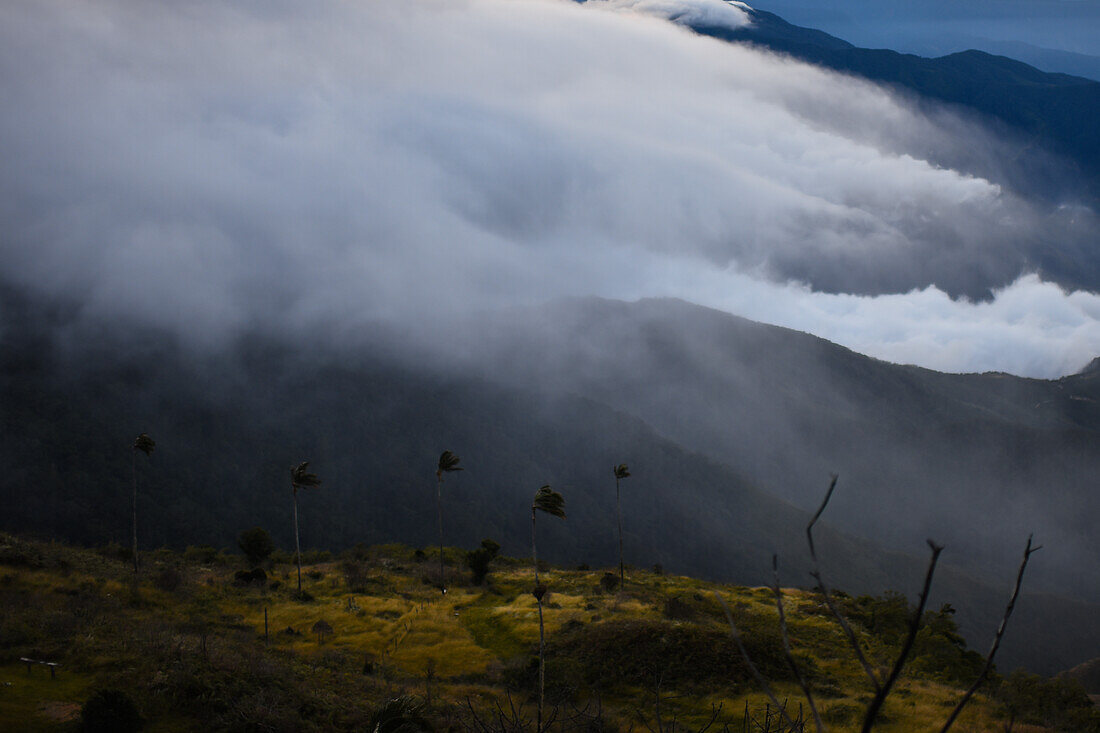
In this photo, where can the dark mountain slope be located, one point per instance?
(1052, 111)
(1088, 674)
(977, 461)
(228, 428)
(228, 431)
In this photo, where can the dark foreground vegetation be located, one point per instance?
(207, 639)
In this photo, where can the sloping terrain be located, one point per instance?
(194, 648)
(706, 409)
(976, 461)
(1044, 108)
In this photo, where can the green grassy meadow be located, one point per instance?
(187, 643)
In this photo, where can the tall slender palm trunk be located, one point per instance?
(133, 470)
(297, 544)
(542, 671)
(439, 513)
(542, 628)
(619, 514)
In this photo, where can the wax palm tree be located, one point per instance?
(448, 463)
(621, 472)
(145, 444)
(549, 501)
(300, 478)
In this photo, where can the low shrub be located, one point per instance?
(200, 555)
(254, 577)
(110, 711)
(167, 579)
(632, 652)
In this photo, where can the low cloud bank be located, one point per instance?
(216, 169)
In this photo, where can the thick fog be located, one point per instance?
(220, 168)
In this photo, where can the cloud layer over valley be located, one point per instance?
(215, 169)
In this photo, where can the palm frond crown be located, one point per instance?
(621, 471)
(448, 462)
(145, 444)
(301, 478)
(549, 501)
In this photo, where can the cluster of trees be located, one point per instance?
(257, 545)
(890, 616)
(1058, 703)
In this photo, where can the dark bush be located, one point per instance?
(167, 579)
(632, 652)
(1059, 704)
(677, 609)
(478, 560)
(886, 616)
(609, 582)
(256, 545)
(256, 577)
(400, 715)
(356, 575)
(200, 555)
(115, 551)
(110, 711)
(940, 652)
(359, 552)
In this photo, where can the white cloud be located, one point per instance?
(709, 13)
(214, 168)
(1029, 327)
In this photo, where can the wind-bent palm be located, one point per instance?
(300, 478)
(145, 444)
(551, 502)
(621, 472)
(448, 463)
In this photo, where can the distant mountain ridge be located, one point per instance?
(1047, 109)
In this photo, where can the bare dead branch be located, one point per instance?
(817, 515)
(715, 711)
(1028, 550)
(657, 702)
(833, 608)
(787, 644)
(914, 626)
(748, 660)
(475, 717)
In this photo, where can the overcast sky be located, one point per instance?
(213, 167)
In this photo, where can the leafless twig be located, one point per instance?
(787, 645)
(715, 711)
(816, 574)
(748, 660)
(914, 626)
(1028, 550)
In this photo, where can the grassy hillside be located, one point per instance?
(714, 415)
(187, 644)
